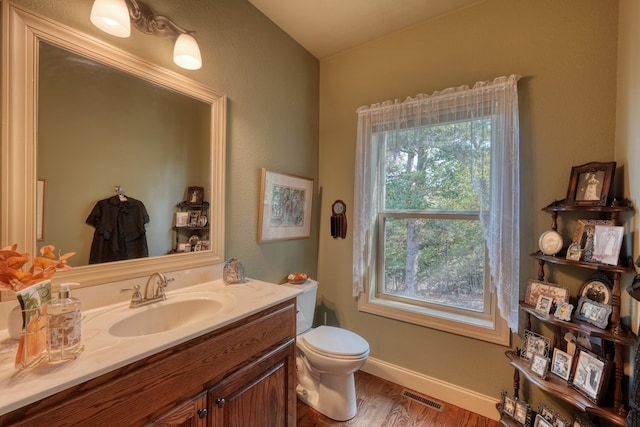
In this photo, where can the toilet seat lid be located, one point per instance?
(336, 341)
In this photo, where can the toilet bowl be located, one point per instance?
(326, 358)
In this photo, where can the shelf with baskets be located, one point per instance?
(608, 402)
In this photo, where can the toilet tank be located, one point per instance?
(306, 305)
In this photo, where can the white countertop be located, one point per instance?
(104, 352)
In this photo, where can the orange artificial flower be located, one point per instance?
(13, 278)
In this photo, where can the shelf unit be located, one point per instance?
(616, 333)
(183, 233)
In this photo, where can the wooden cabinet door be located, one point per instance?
(191, 414)
(260, 394)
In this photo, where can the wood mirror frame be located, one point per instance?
(22, 31)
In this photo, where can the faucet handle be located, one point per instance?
(136, 296)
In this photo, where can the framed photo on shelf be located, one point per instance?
(195, 195)
(590, 184)
(507, 404)
(541, 422)
(535, 288)
(544, 304)
(596, 289)
(590, 374)
(522, 413)
(285, 207)
(561, 364)
(563, 311)
(607, 241)
(182, 219)
(593, 312)
(581, 420)
(584, 234)
(539, 365)
(533, 343)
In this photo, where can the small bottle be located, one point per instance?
(64, 326)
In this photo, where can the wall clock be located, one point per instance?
(339, 220)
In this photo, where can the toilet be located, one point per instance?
(326, 359)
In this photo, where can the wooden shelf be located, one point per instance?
(623, 205)
(625, 337)
(561, 260)
(559, 388)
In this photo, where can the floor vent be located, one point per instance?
(427, 401)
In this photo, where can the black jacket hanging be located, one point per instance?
(120, 230)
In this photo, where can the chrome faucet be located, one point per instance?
(157, 291)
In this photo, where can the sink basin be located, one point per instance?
(167, 315)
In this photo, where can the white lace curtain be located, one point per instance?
(499, 208)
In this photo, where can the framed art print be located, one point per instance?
(285, 207)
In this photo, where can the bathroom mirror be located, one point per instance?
(24, 34)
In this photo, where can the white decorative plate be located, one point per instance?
(550, 242)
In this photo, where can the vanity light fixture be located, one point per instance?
(115, 17)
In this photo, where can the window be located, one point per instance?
(426, 210)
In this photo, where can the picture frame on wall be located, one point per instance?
(590, 184)
(285, 207)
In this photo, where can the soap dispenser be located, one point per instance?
(64, 325)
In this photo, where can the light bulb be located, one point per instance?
(112, 17)
(186, 53)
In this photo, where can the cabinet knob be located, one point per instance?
(202, 413)
(220, 402)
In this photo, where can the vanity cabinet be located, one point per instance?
(190, 414)
(250, 364)
(256, 395)
(615, 337)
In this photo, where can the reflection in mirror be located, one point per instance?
(99, 127)
(154, 132)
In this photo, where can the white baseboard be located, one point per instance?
(435, 388)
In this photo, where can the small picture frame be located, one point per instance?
(539, 365)
(546, 412)
(590, 374)
(535, 288)
(541, 422)
(581, 420)
(563, 311)
(544, 304)
(607, 242)
(597, 289)
(184, 247)
(522, 413)
(507, 404)
(574, 252)
(533, 343)
(593, 312)
(561, 364)
(182, 219)
(584, 234)
(590, 184)
(195, 195)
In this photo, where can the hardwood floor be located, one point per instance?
(381, 404)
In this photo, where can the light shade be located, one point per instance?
(112, 17)
(186, 53)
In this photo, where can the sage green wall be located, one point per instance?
(565, 52)
(272, 85)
